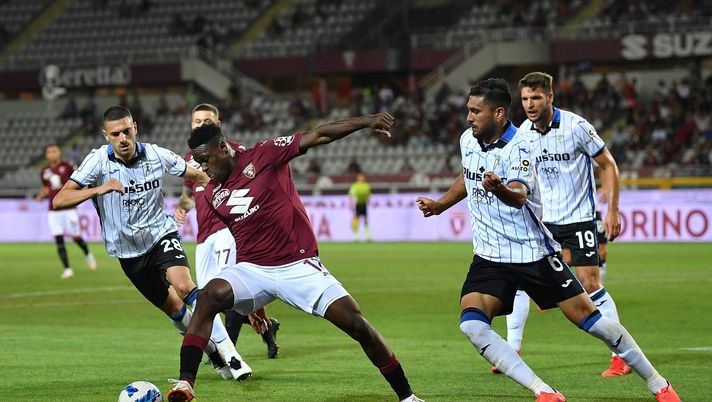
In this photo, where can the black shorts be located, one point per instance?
(547, 281)
(361, 209)
(600, 229)
(148, 272)
(580, 238)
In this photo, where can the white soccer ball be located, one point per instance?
(141, 391)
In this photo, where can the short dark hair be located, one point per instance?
(205, 134)
(537, 79)
(116, 113)
(207, 107)
(494, 92)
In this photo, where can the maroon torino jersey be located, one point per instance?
(260, 205)
(54, 178)
(208, 222)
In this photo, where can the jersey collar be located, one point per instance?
(503, 140)
(555, 123)
(140, 153)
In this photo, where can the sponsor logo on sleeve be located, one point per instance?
(283, 141)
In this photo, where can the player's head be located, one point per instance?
(120, 130)
(207, 143)
(487, 107)
(53, 153)
(361, 178)
(204, 113)
(537, 95)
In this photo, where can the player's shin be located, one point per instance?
(393, 373)
(617, 338)
(517, 319)
(476, 326)
(190, 354)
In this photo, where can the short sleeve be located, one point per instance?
(280, 150)
(89, 170)
(520, 164)
(172, 163)
(588, 140)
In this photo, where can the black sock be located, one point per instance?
(394, 374)
(233, 324)
(82, 245)
(62, 251)
(190, 354)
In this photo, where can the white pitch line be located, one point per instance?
(700, 349)
(64, 292)
(73, 303)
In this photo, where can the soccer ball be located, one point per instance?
(140, 391)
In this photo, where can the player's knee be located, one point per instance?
(214, 296)
(590, 279)
(602, 252)
(59, 241)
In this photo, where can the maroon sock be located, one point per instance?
(393, 373)
(190, 354)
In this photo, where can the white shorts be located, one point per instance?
(305, 284)
(64, 222)
(213, 255)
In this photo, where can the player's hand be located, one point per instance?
(428, 206)
(381, 123)
(492, 183)
(259, 321)
(612, 223)
(180, 215)
(109, 186)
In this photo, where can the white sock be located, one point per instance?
(605, 304)
(517, 319)
(602, 271)
(622, 344)
(475, 325)
(181, 319)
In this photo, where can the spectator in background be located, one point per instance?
(354, 167)
(162, 109)
(71, 110)
(313, 169)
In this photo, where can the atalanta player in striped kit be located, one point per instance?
(124, 180)
(513, 249)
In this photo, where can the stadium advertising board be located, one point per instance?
(647, 216)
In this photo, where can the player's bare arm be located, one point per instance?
(185, 204)
(610, 185)
(380, 123)
(72, 194)
(42, 194)
(196, 175)
(513, 194)
(455, 194)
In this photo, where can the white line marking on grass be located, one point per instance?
(700, 349)
(72, 303)
(65, 292)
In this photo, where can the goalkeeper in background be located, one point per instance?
(359, 193)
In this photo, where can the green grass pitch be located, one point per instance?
(84, 339)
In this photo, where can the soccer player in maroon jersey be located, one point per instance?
(61, 221)
(253, 193)
(216, 247)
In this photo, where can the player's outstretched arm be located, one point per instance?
(326, 133)
(196, 175)
(610, 184)
(455, 194)
(72, 194)
(185, 204)
(513, 194)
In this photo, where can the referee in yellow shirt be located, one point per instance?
(360, 192)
